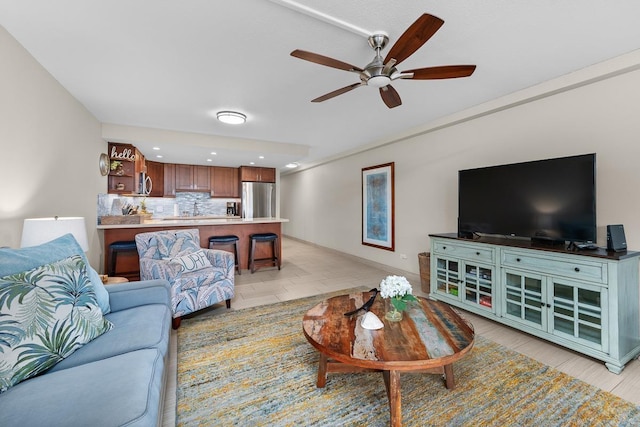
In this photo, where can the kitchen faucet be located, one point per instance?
(195, 209)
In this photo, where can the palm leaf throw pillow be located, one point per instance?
(46, 314)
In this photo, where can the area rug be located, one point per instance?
(254, 367)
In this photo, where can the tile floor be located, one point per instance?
(309, 270)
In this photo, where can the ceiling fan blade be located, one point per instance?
(325, 60)
(442, 72)
(390, 96)
(336, 92)
(414, 37)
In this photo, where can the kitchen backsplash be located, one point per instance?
(162, 207)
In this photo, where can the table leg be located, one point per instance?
(322, 371)
(448, 377)
(392, 383)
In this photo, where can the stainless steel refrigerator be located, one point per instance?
(258, 200)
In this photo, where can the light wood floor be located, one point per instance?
(311, 270)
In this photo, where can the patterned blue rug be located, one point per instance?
(254, 367)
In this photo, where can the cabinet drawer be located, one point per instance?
(570, 268)
(465, 252)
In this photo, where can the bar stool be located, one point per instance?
(227, 241)
(119, 247)
(256, 238)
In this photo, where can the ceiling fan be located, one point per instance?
(380, 73)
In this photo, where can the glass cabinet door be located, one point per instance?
(578, 313)
(448, 276)
(524, 299)
(478, 285)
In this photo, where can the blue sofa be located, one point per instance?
(118, 378)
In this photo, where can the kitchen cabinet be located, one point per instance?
(169, 179)
(257, 174)
(155, 171)
(192, 178)
(126, 163)
(587, 301)
(224, 182)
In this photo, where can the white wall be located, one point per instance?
(598, 114)
(49, 149)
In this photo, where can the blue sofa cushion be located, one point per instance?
(120, 390)
(18, 260)
(46, 314)
(133, 329)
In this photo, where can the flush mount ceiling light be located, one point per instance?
(231, 117)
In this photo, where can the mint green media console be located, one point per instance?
(586, 301)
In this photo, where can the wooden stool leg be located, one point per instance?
(276, 251)
(252, 249)
(237, 250)
(112, 262)
(228, 302)
(392, 383)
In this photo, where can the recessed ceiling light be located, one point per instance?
(159, 156)
(261, 157)
(209, 160)
(252, 163)
(292, 165)
(213, 153)
(156, 148)
(231, 117)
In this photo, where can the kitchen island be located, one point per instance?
(208, 227)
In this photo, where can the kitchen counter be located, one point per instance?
(208, 227)
(193, 221)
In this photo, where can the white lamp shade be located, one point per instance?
(37, 231)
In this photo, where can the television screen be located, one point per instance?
(553, 199)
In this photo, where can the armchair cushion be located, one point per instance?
(192, 261)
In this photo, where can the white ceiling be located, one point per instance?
(170, 65)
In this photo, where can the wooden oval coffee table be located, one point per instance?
(429, 338)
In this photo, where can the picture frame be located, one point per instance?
(378, 206)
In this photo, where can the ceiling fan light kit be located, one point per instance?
(231, 117)
(380, 72)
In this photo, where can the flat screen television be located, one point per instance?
(551, 200)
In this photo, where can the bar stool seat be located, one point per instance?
(256, 238)
(120, 247)
(227, 241)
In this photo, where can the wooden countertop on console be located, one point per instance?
(527, 244)
(193, 222)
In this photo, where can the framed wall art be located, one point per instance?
(378, 206)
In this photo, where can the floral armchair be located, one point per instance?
(199, 277)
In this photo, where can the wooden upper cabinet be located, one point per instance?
(155, 171)
(257, 174)
(224, 182)
(184, 177)
(192, 178)
(201, 178)
(169, 180)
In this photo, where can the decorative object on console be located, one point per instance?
(615, 238)
(397, 292)
(378, 206)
